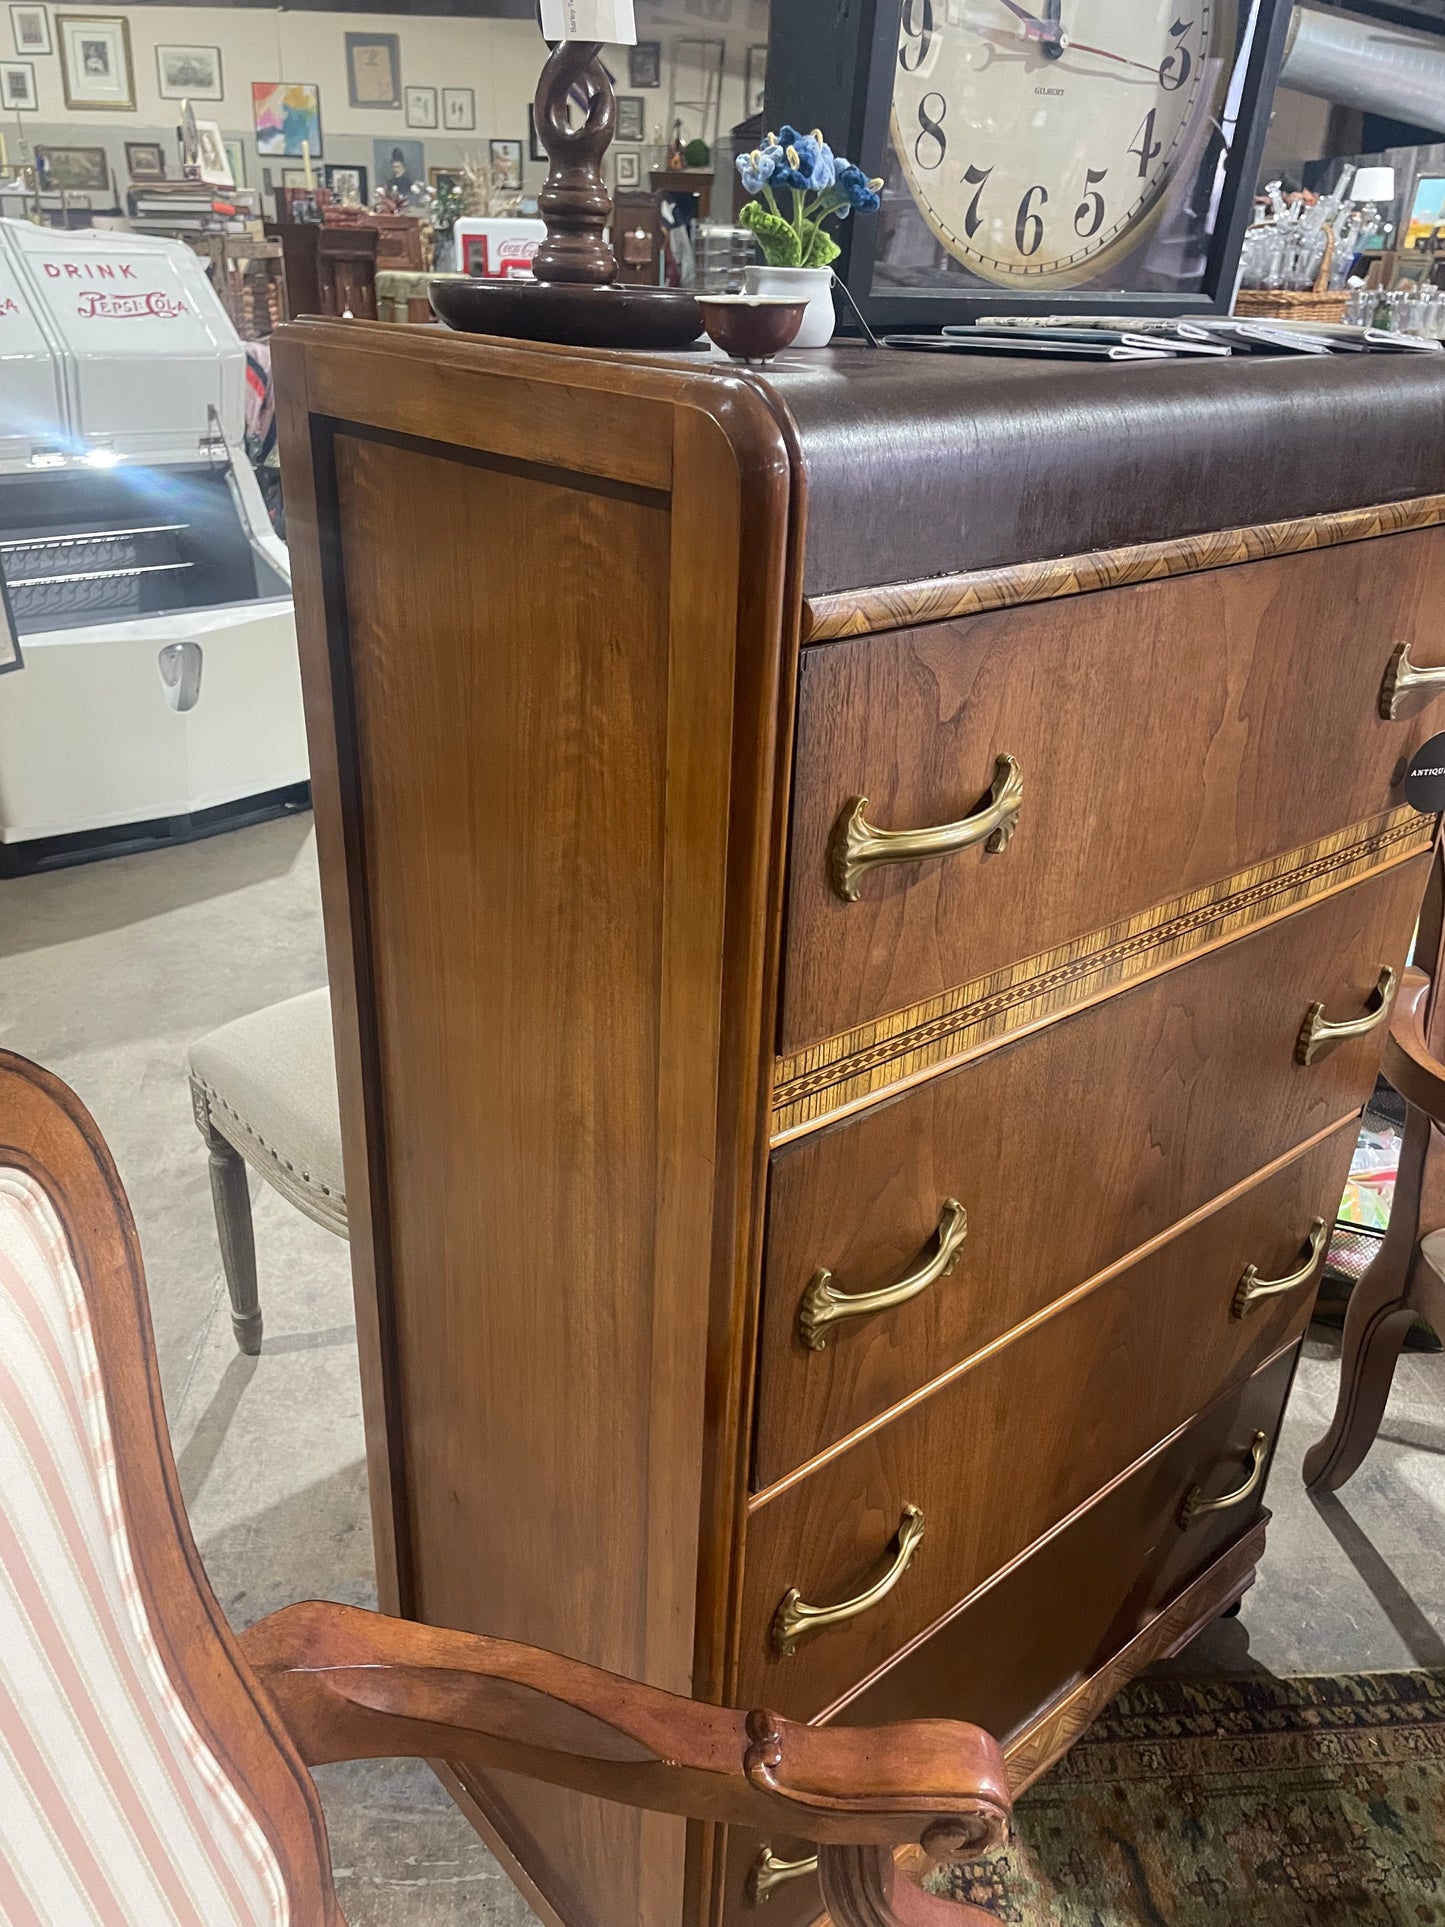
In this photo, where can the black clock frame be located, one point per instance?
(830, 65)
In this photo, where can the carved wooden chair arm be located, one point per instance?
(357, 1685)
(1408, 1062)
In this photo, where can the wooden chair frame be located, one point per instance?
(319, 1682)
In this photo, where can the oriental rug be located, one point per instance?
(1236, 1802)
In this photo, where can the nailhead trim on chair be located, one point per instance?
(213, 1096)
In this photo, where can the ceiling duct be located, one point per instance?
(1368, 65)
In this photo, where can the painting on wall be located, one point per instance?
(629, 169)
(459, 108)
(287, 116)
(236, 156)
(348, 184)
(145, 160)
(506, 159)
(30, 29)
(373, 69)
(189, 73)
(73, 170)
(421, 106)
(644, 64)
(95, 60)
(630, 117)
(17, 87)
(755, 78)
(399, 165)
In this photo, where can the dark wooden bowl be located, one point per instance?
(751, 327)
(612, 316)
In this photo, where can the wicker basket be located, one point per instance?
(1318, 303)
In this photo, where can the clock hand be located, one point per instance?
(1102, 53)
(1034, 28)
(1053, 17)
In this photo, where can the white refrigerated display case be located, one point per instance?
(159, 694)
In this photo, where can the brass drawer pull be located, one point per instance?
(1196, 1505)
(1318, 1035)
(794, 1621)
(823, 1305)
(1403, 681)
(768, 1871)
(857, 846)
(1253, 1290)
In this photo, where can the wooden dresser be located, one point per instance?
(861, 908)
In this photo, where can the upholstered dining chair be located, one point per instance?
(152, 1764)
(263, 1091)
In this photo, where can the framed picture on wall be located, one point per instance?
(644, 64)
(534, 139)
(629, 168)
(73, 170)
(215, 166)
(348, 183)
(145, 160)
(236, 156)
(373, 69)
(30, 28)
(459, 108)
(287, 117)
(398, 165)
(421, 106)
(17, 88)
(755, 79)
(631, 117)
(506, 159)
(189, 73)
(95, 63)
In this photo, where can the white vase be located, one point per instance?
(816, 284)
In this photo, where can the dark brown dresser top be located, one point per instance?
(923, 464)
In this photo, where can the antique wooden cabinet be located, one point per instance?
(861, 903)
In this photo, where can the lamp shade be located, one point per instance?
(1374, 184)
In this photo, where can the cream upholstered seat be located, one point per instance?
(113, 1808)
(264, 1091)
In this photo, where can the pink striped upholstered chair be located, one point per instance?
(153, 1766)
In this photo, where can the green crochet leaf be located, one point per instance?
(822, 252)
(777, 238)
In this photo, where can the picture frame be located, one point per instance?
(421, 106)
(30, 30)
(506, 159)
(189, 73)
(215, 165)
(236, 155)
(631, 117)
(629, 167)
(18, 92)
(145, 160)
(398, 161)
(347, 179)
(73, 170)
(95, 62)
(287, 117)
(373, 70)
(534, 140)
(644, 64)
(459, 109)
(755, 79)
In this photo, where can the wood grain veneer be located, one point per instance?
(1169, 735)
(1050, 1201)
(856, 612)
(573, 796)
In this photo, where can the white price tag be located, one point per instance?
(609, 20)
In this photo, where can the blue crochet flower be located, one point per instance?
(759, 167)
(810, 165)
(861, 193)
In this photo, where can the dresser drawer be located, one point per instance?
(1043, 1627)
(1067, 1150)
(1168, 735)
(997, 1455)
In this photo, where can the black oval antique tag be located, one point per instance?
(1425, 779)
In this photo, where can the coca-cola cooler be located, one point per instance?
(158, 695)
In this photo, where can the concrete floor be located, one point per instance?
(111, 969)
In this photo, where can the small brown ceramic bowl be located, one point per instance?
(751, 327)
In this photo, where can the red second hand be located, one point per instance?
(1102, 53)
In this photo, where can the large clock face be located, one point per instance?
(1039, 136)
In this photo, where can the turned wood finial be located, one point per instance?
(575, 203)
